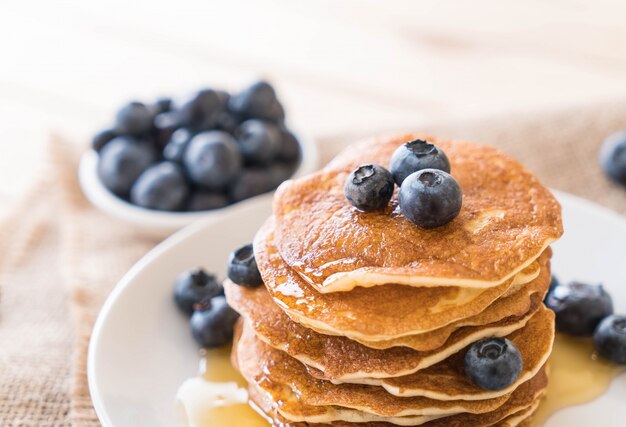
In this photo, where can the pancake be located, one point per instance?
(273, 326)
(525, 298)
(524, 398)
(292, 407)
(326, 414)
(392, 311)
(287, 381)
(520, 419)
(340, 359)
(507, 220)
(447, 380)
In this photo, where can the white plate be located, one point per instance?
(161, 223)
(141, 349)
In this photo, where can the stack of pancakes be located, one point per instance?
(365, 317)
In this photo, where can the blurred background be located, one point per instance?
(339, 66)
(545, 80)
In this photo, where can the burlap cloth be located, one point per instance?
(60, 257)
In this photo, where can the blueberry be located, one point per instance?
(610, 339)
(242, 267)
(165, 124)
(162, 187)
(369, 187)
(102, 138)
(193, 287)
(134, 119)
(212, 159)
(414, 156)
(579, 307)
(430, 198)
(223, 97)
(199, 110)
(289, 151)
(201, 200)
(259, 142)
(613, 157)
(493, 363)
(214, 325)
(121, 162)
(175, 148)
(226, 121)
(251, 182)
(162, 105)
(277, 113)
(257, 101)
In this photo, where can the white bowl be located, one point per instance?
(162, 223)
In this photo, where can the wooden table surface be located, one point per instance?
(339, 65)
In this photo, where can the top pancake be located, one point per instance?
(508, 218)
(392, 311)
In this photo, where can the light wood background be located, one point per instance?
(339, 65)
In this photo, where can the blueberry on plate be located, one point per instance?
(174, 150)
(212, 159)
(613, 157)
(249, 183)
(430, 198)
(201, 200)
(579, 307)
(493, 363)
(259, 141)
(610, 339)
(193, 287)
(102, 138)
(199, 110)
(134, 119)
(242, 268)
(414, 156)
(369, 187)
(121, 161)
(257, 101)
(213, 325)
(161, 187)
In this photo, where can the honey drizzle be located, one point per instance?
(576, 376)
(197, 399)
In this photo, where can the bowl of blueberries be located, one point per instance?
(166, 164)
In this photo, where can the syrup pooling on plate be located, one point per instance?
(217, 397)
(577, 376)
